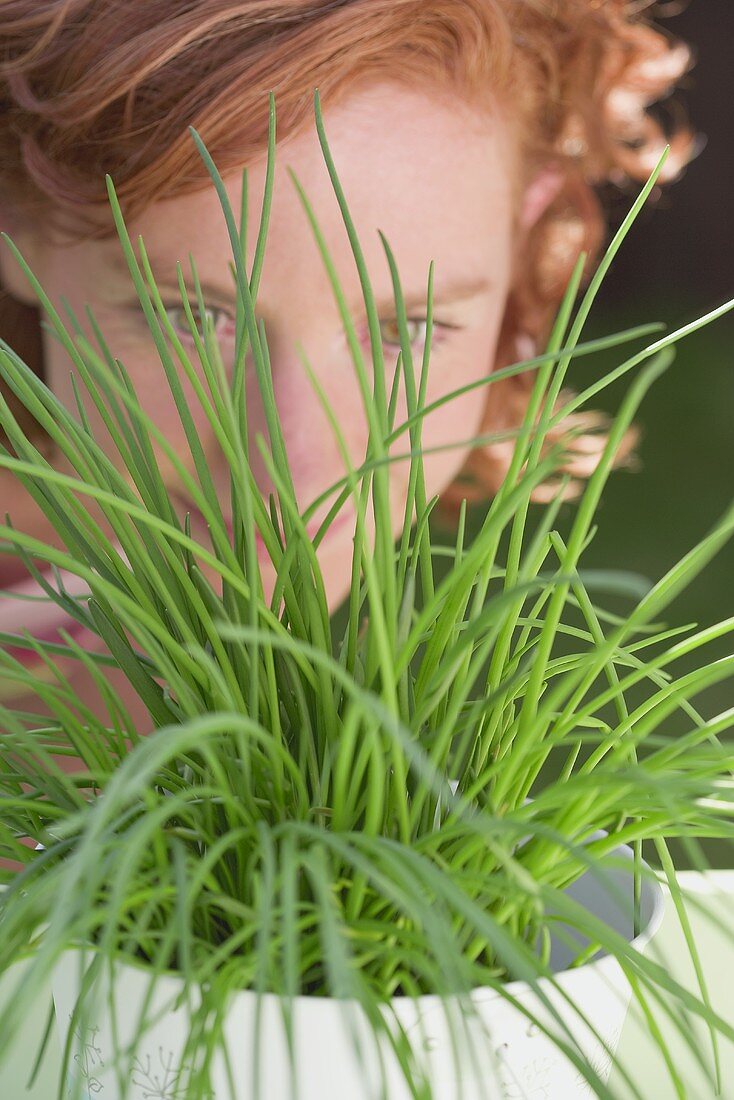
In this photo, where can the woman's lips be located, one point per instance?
(312, 527)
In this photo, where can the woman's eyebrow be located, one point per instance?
(460, 291)
(457, 290)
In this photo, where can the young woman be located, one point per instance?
(480, 134)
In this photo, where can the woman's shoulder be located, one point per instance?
(25, 515)
(14, 502)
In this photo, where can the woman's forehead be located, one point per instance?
(422, 163)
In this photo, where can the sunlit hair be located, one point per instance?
(90, 87)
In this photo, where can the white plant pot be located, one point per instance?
(519, 1060)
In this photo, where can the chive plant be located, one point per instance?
(362, 817)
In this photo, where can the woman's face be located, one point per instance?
(437, 178)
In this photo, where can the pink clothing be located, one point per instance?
(42, 617)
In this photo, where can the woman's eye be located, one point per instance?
(177, 317)
(418, 325)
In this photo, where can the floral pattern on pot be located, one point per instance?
(89, 1061)
(157, 1077)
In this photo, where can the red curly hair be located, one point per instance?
(88, 88)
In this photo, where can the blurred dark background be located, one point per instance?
(677, 265)
(683, 245)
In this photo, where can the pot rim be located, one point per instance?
(650, 882)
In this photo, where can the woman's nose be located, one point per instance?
(313, 454)
(311, 444)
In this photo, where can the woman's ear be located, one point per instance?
(540, 193)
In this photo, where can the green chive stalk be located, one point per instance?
(365, 817)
